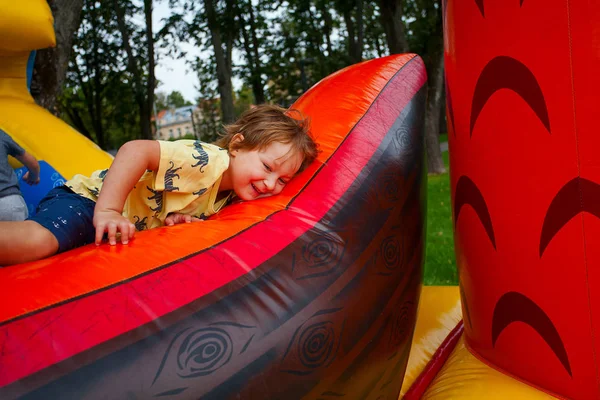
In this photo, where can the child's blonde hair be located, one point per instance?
(264, 124)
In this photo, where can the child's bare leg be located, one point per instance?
(25, 241)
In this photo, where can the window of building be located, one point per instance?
(179, 132)
(171, 133)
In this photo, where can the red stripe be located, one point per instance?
(30, 344)
(434, 365)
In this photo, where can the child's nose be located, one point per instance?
(270, 183)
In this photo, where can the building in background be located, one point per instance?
(176, 123)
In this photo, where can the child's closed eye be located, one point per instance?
(267, 167)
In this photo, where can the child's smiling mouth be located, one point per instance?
(258, 193)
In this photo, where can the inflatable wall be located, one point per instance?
(309, 294)
(522, 91)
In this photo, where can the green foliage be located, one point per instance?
(243, 101)
(278, 48)
(189, 136)
(424, 26)
(98, 97)
(174, 99)
(440, 263)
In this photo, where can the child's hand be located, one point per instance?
(112, 222)
(31, 179)
(176, 218)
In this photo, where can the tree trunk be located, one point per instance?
(51, 64)
(257, 84)
(391, 19)
(360, 31)
(252, 55)
(352, 45)
(435, 163)
(133, 69)
(151, 83)
(223, 72)
(327, 27)
(97, 88)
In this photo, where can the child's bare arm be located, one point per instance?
(32, 176)
(132, 160)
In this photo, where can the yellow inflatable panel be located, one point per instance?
(439, 312)
(462, 376)
(25, 26)
(38, 131)
(50, 139)
(465, 377)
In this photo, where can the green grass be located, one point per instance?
(440, 264)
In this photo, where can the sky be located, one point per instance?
(174, 74)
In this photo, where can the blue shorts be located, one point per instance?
(68, 216)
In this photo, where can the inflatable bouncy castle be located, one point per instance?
(316, 293)
(522, 98)
(309, 294)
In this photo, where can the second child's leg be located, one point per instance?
(25, 241)
(64, 221)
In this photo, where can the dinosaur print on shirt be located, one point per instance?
(140, 225)
(171, 174)
(202, 157)
(157, 195)
(200, 192)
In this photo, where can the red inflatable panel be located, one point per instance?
(307, 294)
(522, 86)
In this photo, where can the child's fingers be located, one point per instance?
(131, 230)
(100, 228)
(124, 229)
(187, 218)
(112, 233)
(194, 219)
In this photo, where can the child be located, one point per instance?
(155, 183)
(12, 204)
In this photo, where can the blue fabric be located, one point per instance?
(30, 64)
(33, 194)
(68, 216)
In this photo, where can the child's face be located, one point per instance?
(261, 173)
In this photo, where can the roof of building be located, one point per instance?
(175, 115)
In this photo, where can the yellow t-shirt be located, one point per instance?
(187, 181)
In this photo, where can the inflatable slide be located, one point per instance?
(309, 294)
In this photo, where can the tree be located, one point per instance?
(175, 99)
(222, 56)
(352, 12)
(249, 26)
(393, 25)
(160, 101)
(98, 98)
(51, 64)
(144, 94)
(427, 41)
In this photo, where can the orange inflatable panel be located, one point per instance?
(312, 293)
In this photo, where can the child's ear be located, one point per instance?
(237, 138)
